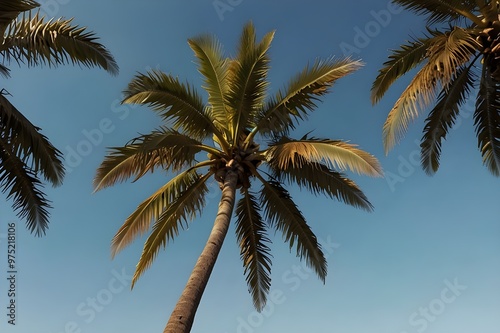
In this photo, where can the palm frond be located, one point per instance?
(21, 184)
(284, 216)
(446, 55)
(248, 79)
(165, 148)
(151, 209)
(487, 119)
(489, 11)
(173, 100)
(338, 154)
(301, 95)
(10, 10)
(34, 41)
(4, 71)
(27, 143)
(255, 254)
(176, 215)
(442, 117)
(319, 179)
(214, 68)
(401, 61)
(441, 10)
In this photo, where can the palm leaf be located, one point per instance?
(173, 100)
(163, 148)
(255, 254)
(21, 184)
(4, 71)
(442, 117)
(27, 143)
(214, 68)
(487, 119)
(488, 11)
(400, 62)
(301, 95)
(288, 153)
(319, 179)
(248, 79)
(284, 216)
(441, 10)
(10, 10)
(151, 209)
(447, 54)
(34, 41)
(176, 215)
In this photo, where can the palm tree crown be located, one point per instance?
(25, 153)
(224, 130)
(458, 55)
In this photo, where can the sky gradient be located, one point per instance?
(426, 260)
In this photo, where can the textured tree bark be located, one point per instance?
(182, 317)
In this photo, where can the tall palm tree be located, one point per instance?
(25, 153)
(224, 130)
(458, 56)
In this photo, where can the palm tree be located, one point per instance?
(458, 55)
(225, 130)
(25, 153)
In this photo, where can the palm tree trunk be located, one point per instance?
(182, 316)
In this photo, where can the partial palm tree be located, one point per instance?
(223, 138)
(458, 56)
(26, 155)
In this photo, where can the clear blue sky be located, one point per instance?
(426, 260)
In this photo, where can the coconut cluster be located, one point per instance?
(489, 39)
(241, 160)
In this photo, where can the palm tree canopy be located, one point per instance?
(457, 56)
(25, 153)
(231, 128)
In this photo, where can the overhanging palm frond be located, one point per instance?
(176, 215)
(255, 254)
(34, 41)
(214, 68)
(248, 79)
(284, 216)
(401, 61)
(319, 179)
(173, 100)
(10, 10)
(288, 153)
(301, 95)
(151, 209)
(164, 148)
(487, 119)
(28, 144)
(440, 10)
(448, 52)
(442, 117)
(22, 186)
